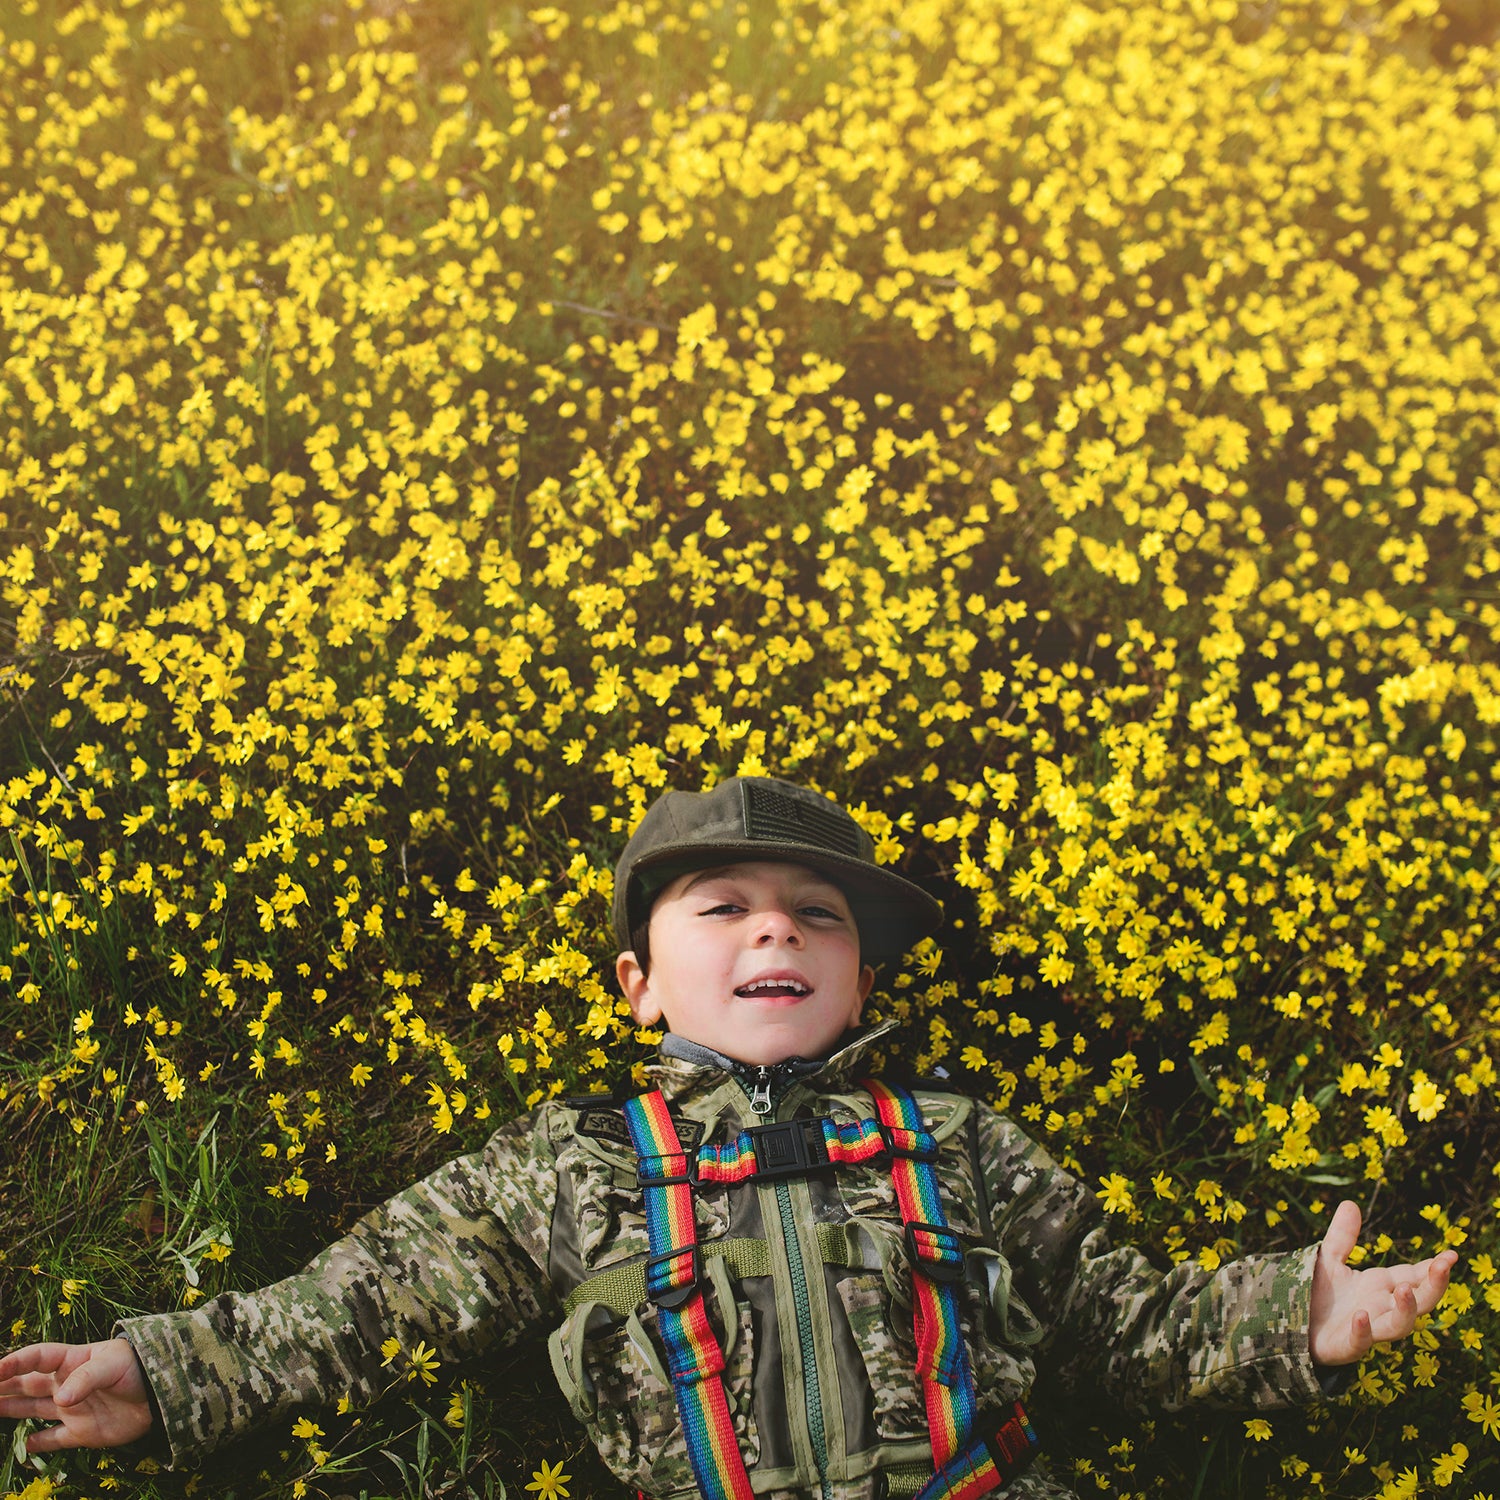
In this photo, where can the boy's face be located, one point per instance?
(758, 960)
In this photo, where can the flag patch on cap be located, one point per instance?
(772, 817)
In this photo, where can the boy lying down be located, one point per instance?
(767, 1274)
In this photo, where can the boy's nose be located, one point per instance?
(777, 927)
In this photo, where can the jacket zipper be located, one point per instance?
(811, 1389)
(760, 1092)
(761, 1080)
(758, 1082)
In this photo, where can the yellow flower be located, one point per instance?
(1258, 1428)
(549, 1481)
(424, 1364)
(38, 1489)
(1446, 1465)
(1115, 1194)
(1484, 1410)
(1426, 1099)
(1056, 970)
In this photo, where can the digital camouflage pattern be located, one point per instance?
(545, 1222)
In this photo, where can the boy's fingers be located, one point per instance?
(1343, 1231)
(1429, 1290)
(1426, 1281)
(33, 1383)
(32, 1357)
(26, 1408)
(1399, 1321)
(1434, 1265)
(1361, 1334)
(79, 1384)
(50, 1439)
(21, 1409)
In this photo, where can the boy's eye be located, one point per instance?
(822, 911)
(723, 906)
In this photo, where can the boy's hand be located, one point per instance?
(94, 1393)
(1353, 1310)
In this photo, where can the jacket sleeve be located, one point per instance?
(456, 1261)
(1236, 1336)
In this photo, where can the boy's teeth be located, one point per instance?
(773, 986)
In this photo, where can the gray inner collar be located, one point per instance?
(696, 1053)
(673, 1045)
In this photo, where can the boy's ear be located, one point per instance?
(636, 989)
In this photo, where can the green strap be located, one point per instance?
(622, 1289)
(903, 1484)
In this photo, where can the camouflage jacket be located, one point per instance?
(545, 1225)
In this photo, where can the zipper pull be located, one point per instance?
(760, 1093)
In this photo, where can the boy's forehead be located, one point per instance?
(750, 870)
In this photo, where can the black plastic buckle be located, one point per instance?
(924, 1145)
(673, 1296)
(789, 1148)
(1013, 1445)
(935, 1268)
(645, 1180)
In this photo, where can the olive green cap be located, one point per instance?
(759, 818)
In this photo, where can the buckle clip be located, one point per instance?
(689, 1174)
(662, 1286)
(1013, 1444)
(789, 1148)
(941, 1257)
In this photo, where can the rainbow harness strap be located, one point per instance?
(937, 1261)
(794, 1146)
(694, 1358)
(985, 1463)
(966, 1466)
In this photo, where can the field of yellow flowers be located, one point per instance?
(1064, 431)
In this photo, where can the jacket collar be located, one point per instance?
(685, 1069)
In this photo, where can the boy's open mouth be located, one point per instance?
(773, 989)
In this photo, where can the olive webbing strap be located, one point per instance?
(622, 1289)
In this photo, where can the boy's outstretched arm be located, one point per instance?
(94, 1394)
(1256, 1331)
(454, 1264)
(1353, 1310)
